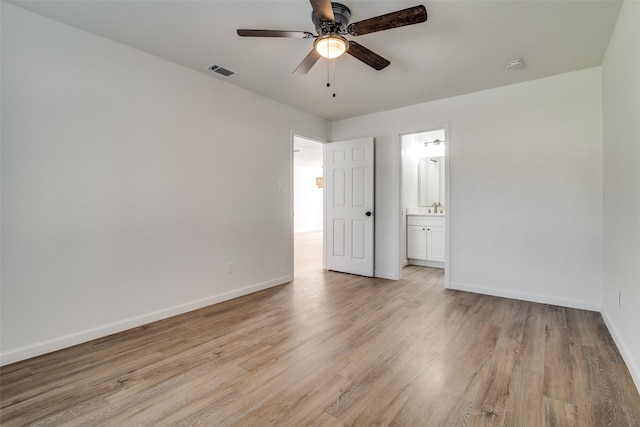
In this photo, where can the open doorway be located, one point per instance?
(424, 200)
(308, 204)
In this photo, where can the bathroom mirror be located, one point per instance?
(431, 181)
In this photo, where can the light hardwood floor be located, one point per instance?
(331, 349)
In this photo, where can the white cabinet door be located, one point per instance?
(435, 243)
(417, 242)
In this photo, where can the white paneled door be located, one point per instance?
(349, 186)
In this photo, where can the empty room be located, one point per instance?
(473, 252)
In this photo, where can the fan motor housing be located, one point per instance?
(342, 16)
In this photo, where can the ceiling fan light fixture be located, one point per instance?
(331, 46)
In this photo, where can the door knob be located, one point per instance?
(368, 213)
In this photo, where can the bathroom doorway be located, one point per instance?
(424, 200)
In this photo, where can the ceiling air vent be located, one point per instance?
(224, 72)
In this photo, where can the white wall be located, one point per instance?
(127, 186)
(525, 202)
(308, 207)
(621, 105)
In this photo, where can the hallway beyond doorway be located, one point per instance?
(308, 252)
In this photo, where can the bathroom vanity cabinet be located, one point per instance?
(426, 240)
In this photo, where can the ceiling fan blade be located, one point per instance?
(365, 55)
(412, 15)
(275, 33)
(323, 10)
(308, 62)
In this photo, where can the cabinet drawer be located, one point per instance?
(434, 221)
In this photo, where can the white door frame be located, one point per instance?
(401, 221)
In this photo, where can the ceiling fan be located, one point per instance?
(331, 21)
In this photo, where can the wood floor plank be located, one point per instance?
(452, 411)
(559, 414)
(494, 393)
(558, 365)
(331, 349)
(530, 356)
(525, 404)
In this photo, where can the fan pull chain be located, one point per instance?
(328, 69)
(331, 77)
(328, 74)
(334, 77)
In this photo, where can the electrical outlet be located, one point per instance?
(229, 267)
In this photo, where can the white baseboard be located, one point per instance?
(385, 275)
(634, 369)
(423, 263)
(543, 299)
(48, 346)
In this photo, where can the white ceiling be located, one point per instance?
(463, 47)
